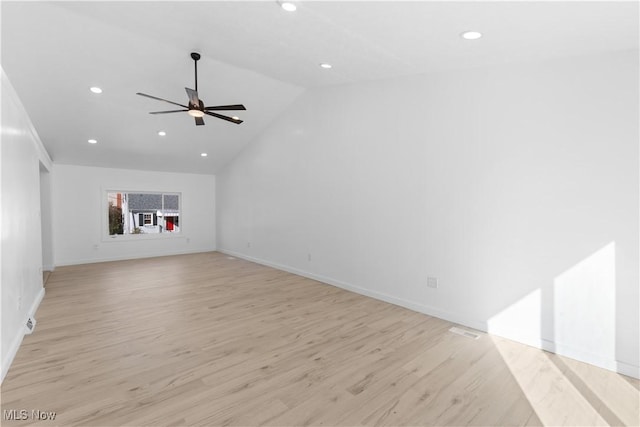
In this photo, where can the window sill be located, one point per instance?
(138, 237)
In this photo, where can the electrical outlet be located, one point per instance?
(432, 282)
(19, 302)
(248, 244)
(309, 257)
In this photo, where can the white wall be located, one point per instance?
(21, 155)
(79, 214)
(517, 187)
(46, 219)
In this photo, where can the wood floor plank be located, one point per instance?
(207, 339)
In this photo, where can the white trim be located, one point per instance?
(537, 342)
(36, 303)
(574, 353)
(628, 369)
(15, 344)
(421, 308)
(144, 236)
(11, 354)
(43, 155)
(144, 219)
(140, 256)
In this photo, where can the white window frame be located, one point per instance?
(106, 237)
(144, 219)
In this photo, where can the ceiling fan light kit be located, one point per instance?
(195, 113)
(288, 6)
(195, 107)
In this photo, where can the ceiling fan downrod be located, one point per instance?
(195, 56)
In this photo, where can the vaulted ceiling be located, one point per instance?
(255, 53)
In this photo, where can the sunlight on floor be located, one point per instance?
(567, 392)
(614, 396)
(577, 316)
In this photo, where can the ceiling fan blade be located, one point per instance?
(199, 121)
(160, 99)
(193, 96)
(165, 112)
(234, 107)
(220, 116)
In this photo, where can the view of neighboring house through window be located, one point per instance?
(143, 213)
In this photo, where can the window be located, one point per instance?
(143, 213)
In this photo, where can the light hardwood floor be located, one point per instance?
(207, 340)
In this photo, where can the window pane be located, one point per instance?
(171, 201)
(170, 213)
(116, 220)
(143, 213)
(145, 202)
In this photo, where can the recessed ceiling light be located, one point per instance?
(162, 133)
(95, 89)
(235, 118)
(203, 154)
(325, 65)
(288, 6)
(471, 35)
(92, 141)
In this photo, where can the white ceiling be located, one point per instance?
(257, 54)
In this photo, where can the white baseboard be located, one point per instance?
(15, 344)
(36, 303)
(578, 354)
(63, 263)
(421, 308)
(537, 342)
(49, 268)
(590, 358)
(628, 369)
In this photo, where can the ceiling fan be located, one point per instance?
(196, 108)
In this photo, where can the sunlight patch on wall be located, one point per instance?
(584, 309)
(519, 321)
(581, 315)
